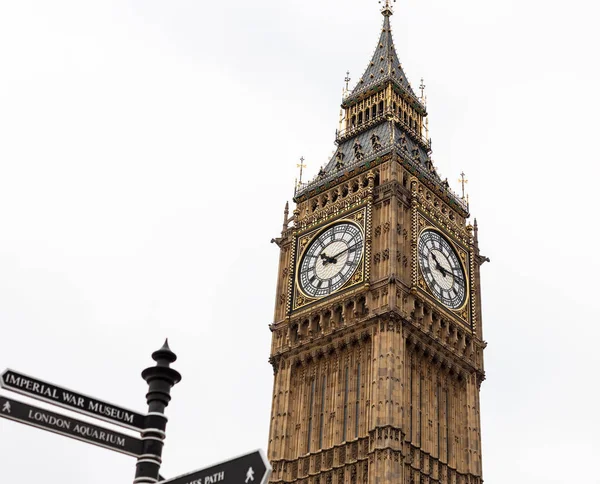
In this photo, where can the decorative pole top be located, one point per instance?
(164, 353)
(387, 9)
(347, 79)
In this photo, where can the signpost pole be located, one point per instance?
(160, 378)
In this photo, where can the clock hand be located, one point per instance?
(438, 266)
(345, 250)
(446, 272)
(456, 276)
(327, 259)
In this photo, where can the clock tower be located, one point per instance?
(377, 345)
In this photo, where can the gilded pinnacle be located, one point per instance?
(387, 7)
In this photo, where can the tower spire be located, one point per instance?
(385, 65)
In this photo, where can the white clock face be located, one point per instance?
(442, 269)
(331, 259)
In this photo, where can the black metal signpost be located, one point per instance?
(252, 468)
(50, 393)
(148, 449)
(160, 378)
(70, 427)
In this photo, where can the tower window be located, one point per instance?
(345, 431)
(357, 407)
(447, 427)
(381, 107)
(322, 416)
(310, 415)
(410, 397)
(360, 118)
(420, 432)
(437, 418)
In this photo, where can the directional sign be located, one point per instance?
(48, 392)
(69, 427)
(252, 468)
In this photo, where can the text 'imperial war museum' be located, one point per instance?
(377, 343)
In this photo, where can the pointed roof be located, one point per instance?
(384, 64)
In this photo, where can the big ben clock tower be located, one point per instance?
(377, 346)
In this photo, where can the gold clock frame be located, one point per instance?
(464, 312)
(358, 217)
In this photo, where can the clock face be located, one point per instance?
(442, 269)
(331, 259)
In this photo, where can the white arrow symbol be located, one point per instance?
(6, 407)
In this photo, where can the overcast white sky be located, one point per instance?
(147, 149)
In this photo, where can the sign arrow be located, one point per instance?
(77, 402)
(252, 468)
(69, 427)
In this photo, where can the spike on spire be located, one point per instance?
(286, 214)
(301, 165)
(387, 9)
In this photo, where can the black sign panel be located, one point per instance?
(50, 393)
(252, 468)
(69, 427)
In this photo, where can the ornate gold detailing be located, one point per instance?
(360, 217)
(436, 209)
(290, 281)
(334, 202)
(465, 312)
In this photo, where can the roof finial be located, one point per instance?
(387, 7)
(301, 165)
(462, 180)
(347, 79)
(422, 88)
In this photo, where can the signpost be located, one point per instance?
(69, 427)
(252, 468)
(50, 393)
(147, 449)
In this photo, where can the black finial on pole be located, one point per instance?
(160, 378)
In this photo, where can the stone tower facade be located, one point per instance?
(377, 345)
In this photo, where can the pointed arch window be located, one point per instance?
(310, 414)
(345, 427)
(322, 415)
(357, 405)
(447, 426)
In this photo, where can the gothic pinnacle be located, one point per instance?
(387, 8)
